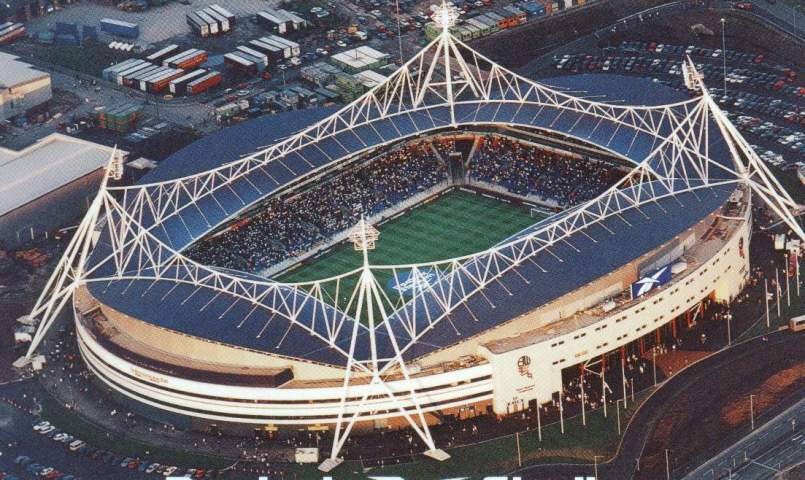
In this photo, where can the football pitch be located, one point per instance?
(454, 224)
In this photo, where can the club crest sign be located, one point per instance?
(413, 281)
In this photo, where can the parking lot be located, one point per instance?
(765, 91)
(156, 24)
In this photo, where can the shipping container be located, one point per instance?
(178, 86)
(120, 28)
(272, 22)
(191, 61)
(223, 23)
(162, 53)
(12, 32)
(240, 64)
(179, 56)
(289, 48)
(188, 59)
(160, 82)
(287, 52)
(273, 52)
(134, 79)
(199, 26)
(224, 13)
(122, 118)
(136, 67)
(124, 78)
(212, 23)
(110, 73)
(518, 14)
(262, 57)
(294, 21)
(295, 50)
(204, 83)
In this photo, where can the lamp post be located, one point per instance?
(595, 466)
(667, 466)
(724, 52)
(751, 412)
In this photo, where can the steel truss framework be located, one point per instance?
(446, 78)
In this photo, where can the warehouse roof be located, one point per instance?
(360, 57)
(14, 72)
(50, 163)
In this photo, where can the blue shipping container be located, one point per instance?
(120, 28)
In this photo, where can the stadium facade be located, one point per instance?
(495, 328)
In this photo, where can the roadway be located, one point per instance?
(641, 425)
(769, 450)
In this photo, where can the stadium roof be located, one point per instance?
(48, 164)
(668, 143)
(204, 313)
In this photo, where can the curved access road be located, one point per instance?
(640, 427)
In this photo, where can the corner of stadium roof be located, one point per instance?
(617, 89)
(232, 143)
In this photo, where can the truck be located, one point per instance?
(119, 28)
(204, 83)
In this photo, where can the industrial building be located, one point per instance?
(47, 185)
(22, 87)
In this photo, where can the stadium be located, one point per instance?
(457, 237)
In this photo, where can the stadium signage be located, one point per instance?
(147, 376)
(405, 283)
(523, 366)
(655, 279)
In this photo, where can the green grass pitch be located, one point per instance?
(455, 224)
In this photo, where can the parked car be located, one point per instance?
(76, 444)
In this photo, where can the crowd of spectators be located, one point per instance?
(289, 227)
(528, 170)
